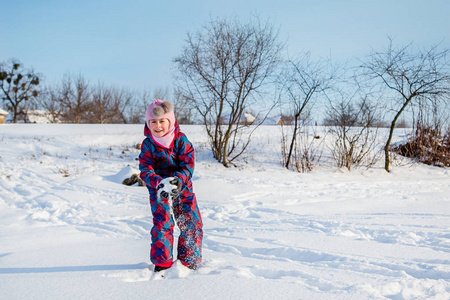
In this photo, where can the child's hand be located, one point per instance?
(169, 186)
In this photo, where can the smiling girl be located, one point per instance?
(167, 160)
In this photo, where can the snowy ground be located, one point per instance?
(70, 230)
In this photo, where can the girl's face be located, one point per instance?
(159, 127)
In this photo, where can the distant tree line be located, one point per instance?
(228, 67)
(76, 100)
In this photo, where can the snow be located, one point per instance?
(70, 230)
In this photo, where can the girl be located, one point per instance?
(166, 163)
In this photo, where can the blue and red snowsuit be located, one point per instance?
(155, 164)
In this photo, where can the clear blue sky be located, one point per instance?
(132, 43)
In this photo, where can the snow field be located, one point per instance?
(69, 228)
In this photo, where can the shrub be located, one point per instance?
(428, 145)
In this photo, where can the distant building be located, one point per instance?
(3, 115)
(40, 117)
(249, 118)
(281, 121)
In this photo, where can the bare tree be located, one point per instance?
(183, 108)
(123, 101)
(48, 99)
(307, 149)
(108, 105)
(302, 80)
(410, 76)
(432, 112)
(19, 87)
(223, 68)
(74, 95)
(139, 101)
(353, 127)
(100, 108)
(161, 93)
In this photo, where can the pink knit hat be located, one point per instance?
(160, 109)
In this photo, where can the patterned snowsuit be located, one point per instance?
(155, 164)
